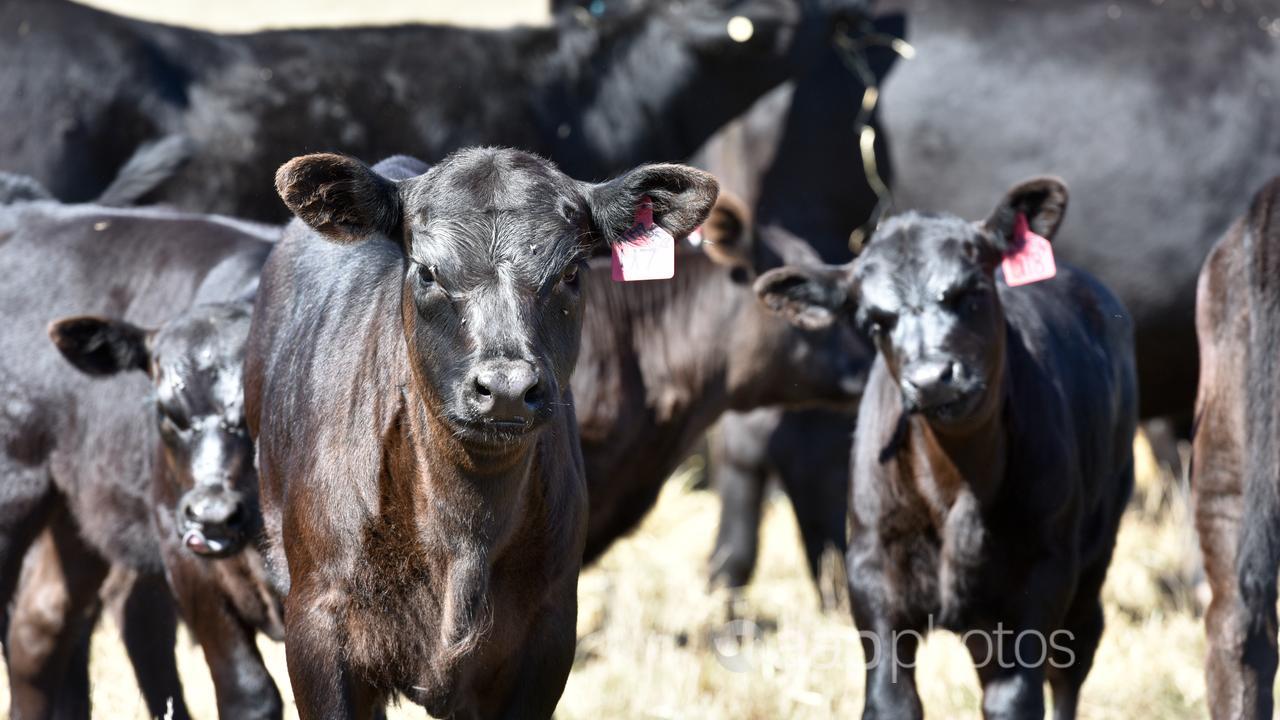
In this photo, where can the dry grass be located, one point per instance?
(649, 631)
(648, 628)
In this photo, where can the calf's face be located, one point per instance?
(194, 363)
(772, 361)
(924, 291)
(493, 241)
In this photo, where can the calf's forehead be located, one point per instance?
(917, 258)
(491, 214)
(198, 362)
(491, 180)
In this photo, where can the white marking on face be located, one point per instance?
(228, 393)
(207, 461)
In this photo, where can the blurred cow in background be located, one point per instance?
(87, 87)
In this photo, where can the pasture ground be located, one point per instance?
(654, 643)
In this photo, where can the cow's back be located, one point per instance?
(86, 88)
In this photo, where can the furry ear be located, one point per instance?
(340, 197)
(1042, 200)
(100, 346)
(807, 297)
(726, 234)
(682, 197)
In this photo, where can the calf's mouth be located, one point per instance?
(214, 528)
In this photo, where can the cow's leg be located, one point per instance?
(739, 476)
(242, 685)
(1072, 647)
(1011, 693)
(1255, 579)
(813, 466)
(148, 622)
(1011, 668)
(888, 648)
(27, 500)
(1163, 434)
(73, 700)
(1071, 652)
(1235, 689)
(325, 687)
(818, 500)
(53, 614)
(545, 667)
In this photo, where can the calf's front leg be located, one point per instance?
(325, 686)
(544, 670)
(148, 622)
(54, 612)
(889, 645)
(242, 685)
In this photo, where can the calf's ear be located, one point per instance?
(726, 233)
(682, 197)
(340, 197)
(100, 346)
(1042, 200)
(809, 297)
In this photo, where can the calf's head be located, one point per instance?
(772, 361)
(194, 362)
(492, 244)
(924, 291)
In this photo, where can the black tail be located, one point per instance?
(16, 188)
(1258, 559)
(152, 164)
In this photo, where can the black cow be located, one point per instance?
(993, 456)
(1235, 471)
(407, 381)
(1159, 114)
(85, 88)
(100, 463)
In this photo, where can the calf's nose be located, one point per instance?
(929, 382)
(213, 509)
(507, 391)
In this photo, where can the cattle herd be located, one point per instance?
(328, 334)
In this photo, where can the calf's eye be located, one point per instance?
(172, 426)
(426, 274)
(570, 275)
(878, 323)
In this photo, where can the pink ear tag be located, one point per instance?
(1031, 258)
(645, 251)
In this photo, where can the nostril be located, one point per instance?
(235, 518)
(534, 395)
(189, 513)
(481, 389)
(946, 374)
